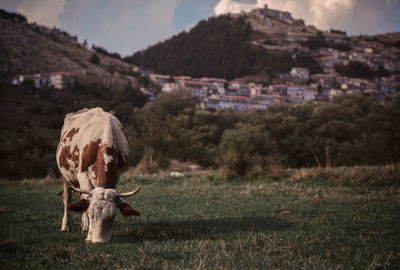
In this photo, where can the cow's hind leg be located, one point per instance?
(66, 199)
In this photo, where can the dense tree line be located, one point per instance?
(356, 69)
(103, 51)
(351, 130)
(31, 121)
(222, 47)
(12, 16)
(216, 47)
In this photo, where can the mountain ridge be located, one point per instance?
(267, 44)
(29, 48)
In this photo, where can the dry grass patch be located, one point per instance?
(371, 175)
(147, 166)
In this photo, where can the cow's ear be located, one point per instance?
(126, 210)
(79, 206)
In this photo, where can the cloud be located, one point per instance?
(354, 16)
(227, 6)
(262, 3)
(46, 12)
(124, 26)
(323, 14)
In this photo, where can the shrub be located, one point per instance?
(147, 166)
(94, 59)
(236, 154)
(275, 168)
(355, 69)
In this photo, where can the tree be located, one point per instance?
(355, 69)
(235, 153)
(317, 41)
(94, 59)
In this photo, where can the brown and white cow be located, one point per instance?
(93, 146)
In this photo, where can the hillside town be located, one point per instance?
(298, 86)
(216, 93)
(331, 50)
(320, 77)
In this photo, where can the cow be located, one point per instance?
(92, 147)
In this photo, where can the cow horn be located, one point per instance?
(127, 194)
(81, 190)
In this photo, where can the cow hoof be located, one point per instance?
(65, 229)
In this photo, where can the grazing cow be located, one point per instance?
(93, 146)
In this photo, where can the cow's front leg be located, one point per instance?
(85, 220)
(66, 199)
(85, 184)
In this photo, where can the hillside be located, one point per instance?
(28, 48)
(217, 47)
(31, 118)
(263, 42)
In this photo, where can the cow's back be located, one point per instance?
(92, 145)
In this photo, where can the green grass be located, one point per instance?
(201, 222)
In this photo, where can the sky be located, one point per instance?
(126, 26)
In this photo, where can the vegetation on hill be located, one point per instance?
(316, 42)
(324, 134)
(387, 39)
(103, 51)
(355, 69)
(28, 48)
(224, 47)
(31, 121)
(12, 16)
(216, 47)
(172, 127)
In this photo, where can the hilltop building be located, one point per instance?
(58, 80)
(228, 6)
(260, 9)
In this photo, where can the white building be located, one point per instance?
(224, 102)
(262, 102)
(62, 80)
(296, 90)
(168, 87)
(196, 87)
(310, 93)
(258, 89)
(37, 80)
(300, 73)
(240, 103)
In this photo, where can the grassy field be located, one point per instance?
(199, 221)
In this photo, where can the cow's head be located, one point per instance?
(101, 205)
